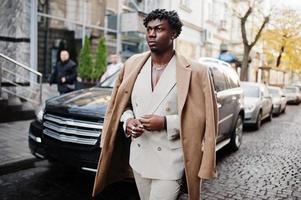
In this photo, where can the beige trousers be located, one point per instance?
(156, 189)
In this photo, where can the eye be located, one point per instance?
(159, 29)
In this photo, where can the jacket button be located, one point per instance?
(136, 104)
(138, 145)
(159, 148)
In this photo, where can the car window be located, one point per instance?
(110, 81)
(251, 90)
(219, 79)
(274, 92)
(290, 90)
(232, 78)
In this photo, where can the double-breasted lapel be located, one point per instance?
(165, 84)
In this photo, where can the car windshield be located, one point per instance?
(109, 82)
(290, 90)
(250, 90)
(274, 92)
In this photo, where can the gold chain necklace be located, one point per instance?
(159, 67)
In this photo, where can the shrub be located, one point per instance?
(85, 61)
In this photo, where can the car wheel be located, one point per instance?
(283, 111)
(258, 121)
(270, 115)
(236, 136)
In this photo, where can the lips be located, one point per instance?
(151, 42)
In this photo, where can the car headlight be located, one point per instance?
(41, 113)
(250, 107)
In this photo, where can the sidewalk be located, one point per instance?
(14, 148)
(15, 153)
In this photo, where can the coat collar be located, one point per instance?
(183, 74)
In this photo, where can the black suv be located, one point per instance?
(68, 129)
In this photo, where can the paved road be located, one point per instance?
(268, 166)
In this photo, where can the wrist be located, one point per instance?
(164, 123)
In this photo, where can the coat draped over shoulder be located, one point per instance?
(198, 115)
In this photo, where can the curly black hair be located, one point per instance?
(172, 18)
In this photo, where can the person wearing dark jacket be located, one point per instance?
(64, 73)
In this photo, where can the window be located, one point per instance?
(232, 78)
(219, 79)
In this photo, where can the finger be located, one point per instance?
(147, 116)
(144, 121)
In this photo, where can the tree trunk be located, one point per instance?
(244, 64)
(280, 56)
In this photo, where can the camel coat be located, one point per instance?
(198, 116)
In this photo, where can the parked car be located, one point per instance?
(229, 101)
(293, 94)
(258, 104)
(279, 100)
(68, 128)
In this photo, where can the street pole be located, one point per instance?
(118, 47)
(33, 36)
(84, 22)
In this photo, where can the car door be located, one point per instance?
(224, 100)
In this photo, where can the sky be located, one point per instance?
(294, 4)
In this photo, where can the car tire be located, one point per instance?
(284, 109)
(258, 121)
(236, 136)
(270, 115)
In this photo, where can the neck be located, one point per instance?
(162, 58)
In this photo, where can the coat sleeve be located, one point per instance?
(111, 104)
(208, 166)
(173, 127)
(71, 78)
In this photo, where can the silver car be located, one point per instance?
(293, 94)
(279, 100)
(258, 104)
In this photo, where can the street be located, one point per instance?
(267, 166)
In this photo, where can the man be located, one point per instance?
(169, 110)
(64, 73)
(112, 68)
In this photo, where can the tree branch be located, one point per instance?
(243, 21)
(266, 20)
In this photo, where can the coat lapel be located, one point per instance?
(165, 84)
(131, 78)
(183, 75)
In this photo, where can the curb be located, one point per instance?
(17, 164)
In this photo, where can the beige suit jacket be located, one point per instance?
(157, 154)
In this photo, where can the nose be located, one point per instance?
(152, 33)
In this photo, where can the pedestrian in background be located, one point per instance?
(113, 67)
(64, 73)
(169, 111)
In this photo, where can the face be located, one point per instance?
(114, 59)
(64, 56)
(159, 36)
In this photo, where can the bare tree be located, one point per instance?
(253, 7)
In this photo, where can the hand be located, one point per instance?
(134, 128)
(153, 122)
(63, 79)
